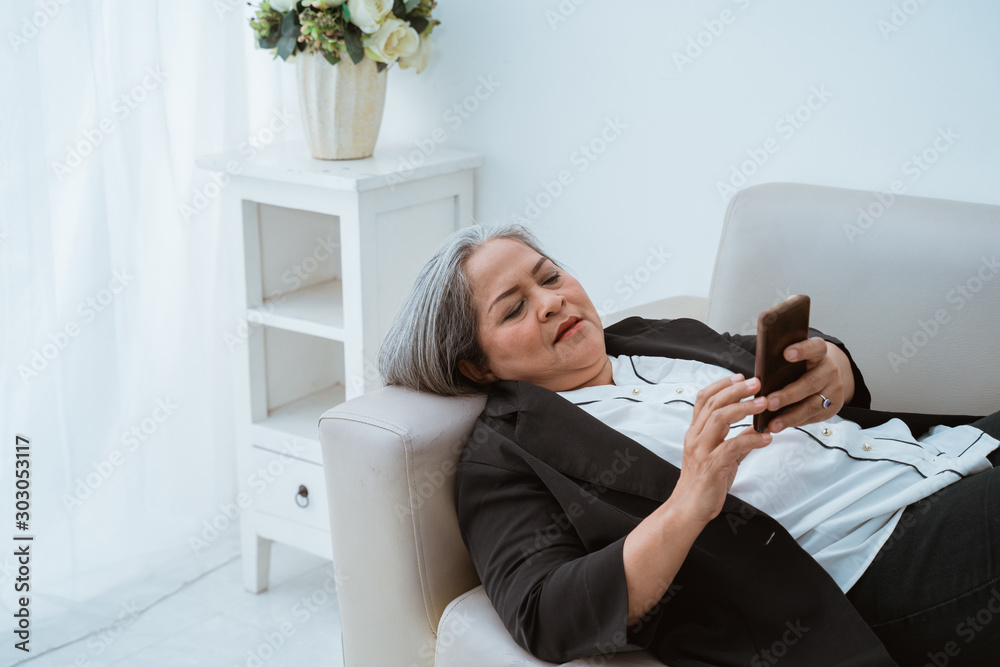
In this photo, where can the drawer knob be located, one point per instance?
(302, 497)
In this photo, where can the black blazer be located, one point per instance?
(546, 494)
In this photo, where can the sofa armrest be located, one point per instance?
(389, 458)
(471, 633)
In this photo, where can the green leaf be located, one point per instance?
(285, 46)
(347, 13)
(331, 58)
(290, 25)
(418, 23)
(399, 8)
(270, 41)
(410, 4)
(352, 40)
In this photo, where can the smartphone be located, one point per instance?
(777, 328)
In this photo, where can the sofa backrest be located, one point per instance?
(911, 285)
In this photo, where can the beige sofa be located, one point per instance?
(911, 285)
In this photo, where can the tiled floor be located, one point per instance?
(215, 621)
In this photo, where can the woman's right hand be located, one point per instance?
(710, 462)
(655, 549)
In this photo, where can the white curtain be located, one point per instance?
(115, 300)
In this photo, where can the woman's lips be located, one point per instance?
(569, 332)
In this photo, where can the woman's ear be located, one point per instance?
(475, 373)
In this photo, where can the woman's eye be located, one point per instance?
(514, 312)
(555, 276)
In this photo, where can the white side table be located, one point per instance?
(330, 251)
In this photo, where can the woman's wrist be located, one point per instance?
(846, 372)
(654, 552)
(684, 511)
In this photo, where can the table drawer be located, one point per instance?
(277, 481)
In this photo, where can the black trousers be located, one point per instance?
(933, 592)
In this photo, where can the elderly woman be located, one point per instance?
(613, 495)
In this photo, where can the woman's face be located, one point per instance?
(524, 301)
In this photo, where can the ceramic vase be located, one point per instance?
(341, 105)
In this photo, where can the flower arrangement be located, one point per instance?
(387, 31)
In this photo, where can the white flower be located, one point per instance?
(395, 39)
(282, 6)
(322, 4)
(420, 58)
(368, 14)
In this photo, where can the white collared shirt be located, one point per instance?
(837, 488)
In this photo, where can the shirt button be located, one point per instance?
(679, 391)
(866, 447)
(826, 431)
(635, 392)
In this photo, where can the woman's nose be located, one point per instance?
(552, 303)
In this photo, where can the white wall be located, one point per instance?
(685, 128)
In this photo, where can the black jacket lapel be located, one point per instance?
(579, 445)
(678, 339)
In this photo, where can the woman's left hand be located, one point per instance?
(828, 372)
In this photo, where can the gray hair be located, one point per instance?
(438, 325)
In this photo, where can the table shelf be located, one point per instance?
(317, 310)
(292, 427)
(330, 249)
